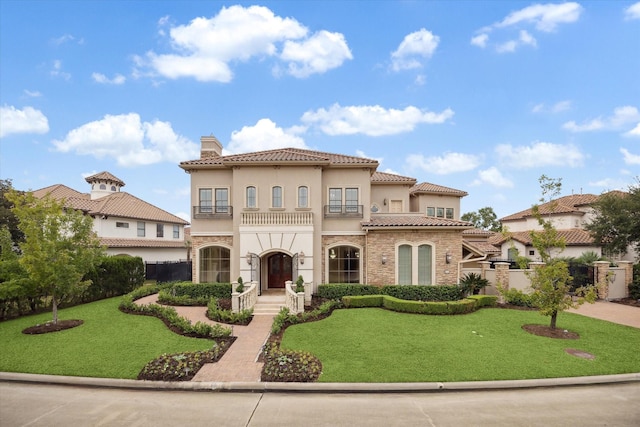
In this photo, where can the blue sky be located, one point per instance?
(482, 96)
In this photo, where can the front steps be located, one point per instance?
(269, 303)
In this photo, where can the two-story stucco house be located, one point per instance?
(270, 216)
(124, 223)
(569, 215)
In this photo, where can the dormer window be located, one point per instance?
(103, 187)
(113, 188)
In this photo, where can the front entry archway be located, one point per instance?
(279, 270)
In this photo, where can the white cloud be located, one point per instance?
(118, 79)
(264, 135)
(205, 48)
(445, 164)
(480, 40)
(634, 132)
(539, 154)
(609, 184)
(558, 107)
(317, 54)
(414, 48)
(128, 140)
(629, 158)
(632, 12)
(56, 70)
(621, 118)
(32, 93)
(542, 17)
(372, 120)
(27, 120)
(362, 154)
(494, 177)
(66, 38)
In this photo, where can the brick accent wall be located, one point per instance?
(199, 241)
(383, 243)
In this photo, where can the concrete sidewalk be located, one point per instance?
(610, 311)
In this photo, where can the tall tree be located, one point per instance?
(616, 224)
(551, 282)
(7, 218)
(485, 219)
(60, 246)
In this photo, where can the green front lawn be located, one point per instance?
(110, 344)
(376, 345)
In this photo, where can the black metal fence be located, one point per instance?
(168, 271)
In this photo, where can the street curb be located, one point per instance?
(269, 387)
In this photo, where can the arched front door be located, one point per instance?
(279, 270)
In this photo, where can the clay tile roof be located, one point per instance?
(58, 191)
(562, 205)
(478, 232)
(428, 188)
(141, 243)
(412, 221)
(390, 178)
(485, 247)
(104, 176)
(572, 237)
(281, 156)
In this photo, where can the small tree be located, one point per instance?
(60, 247)
(551, 282)
(485, 219)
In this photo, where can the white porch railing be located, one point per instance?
(245, 300)
(294, 300)
(276, 218)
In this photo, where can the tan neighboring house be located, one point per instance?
(124, 223)
(273, 215)
(569, 215)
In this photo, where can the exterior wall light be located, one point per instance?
(248, 258)
(332, 254)
(301, 257)
(447, 258)
(384, 259)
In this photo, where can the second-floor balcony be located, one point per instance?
(213, 212)
(343, 211)
(276, 218)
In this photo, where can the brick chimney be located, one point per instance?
(210, 147)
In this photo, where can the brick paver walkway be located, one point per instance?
(611, 311)
(239, 363)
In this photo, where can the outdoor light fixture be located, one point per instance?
(447, 258)
(384, 259)
(249, 258)
(301, 257)
(357, 254)
(332, 254)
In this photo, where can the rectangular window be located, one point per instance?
(159, 230)
(122, 225)
(176, 231)
(141, 229)
(424, 265)
(404, 265)
(351, 199)
(251, 197)
(449, 213)
(222, 200)
(205, 201)
(431, 211)
(335, 200)
(303, 197)
(276, 197)
(440, 212)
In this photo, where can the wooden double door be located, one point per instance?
(279, 270)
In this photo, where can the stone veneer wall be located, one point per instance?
(199, 241)
(384, 242)
(343, 240)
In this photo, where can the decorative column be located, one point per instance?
(628, 275)
(602, 279)
(502, 276)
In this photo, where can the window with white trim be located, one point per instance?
(159, 230)
(222, 200)
(276, 197)
(215, 265)
(176, 231)
(303, 196)
(141, 229)
(415, 264)
(205, 200)
(251, 199)
(344, 264)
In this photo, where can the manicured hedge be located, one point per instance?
(462, 306)
(412, 293)
(362, 301)
(484, 300)
(201, 290)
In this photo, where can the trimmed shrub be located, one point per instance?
(429, 307)
(634, 287)
(165, 297)
(114, 276)
(484, 300)
(363, 301)
(339, 290)
(518, 298)
(217, 314)
(424, 293)
(201, 290)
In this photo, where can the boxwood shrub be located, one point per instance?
(201, 290)
(484, 300)
(405, 292)
(362, 301)
(339, 290)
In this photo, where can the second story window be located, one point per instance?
(335, 200)
(141, 229)
(159, 230)
(303, 197)
(222, 200)
(176, 231)
(351, 199)
(251, 197)
(276, 197)
(205, 201)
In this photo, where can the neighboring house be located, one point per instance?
(124, 223)
(270, 216)
(569, 215)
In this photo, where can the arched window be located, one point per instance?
(405, 265)
(215, 265)
(415, 264)
(303, 197)
(424, 264)
(276, 197)
(344, 264)
(103, 187)
(251, 197)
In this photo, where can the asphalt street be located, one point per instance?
(24, 404)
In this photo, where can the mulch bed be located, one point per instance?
(45, 328)
(546, 331)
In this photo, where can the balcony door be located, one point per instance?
(279, 267)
